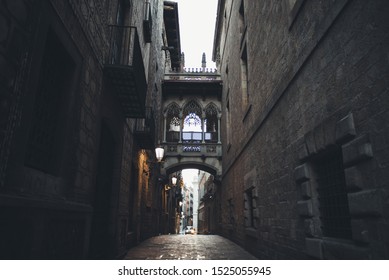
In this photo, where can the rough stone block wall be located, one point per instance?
(317, 82)
(25, 30)
(81, 27)
(14, 21)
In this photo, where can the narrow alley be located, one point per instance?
(188, 247)
(285, 122)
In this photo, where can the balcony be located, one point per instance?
(145, 130)
(125, 70)
(191, 81)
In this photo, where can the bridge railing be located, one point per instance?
(193, 74)
(193, 149)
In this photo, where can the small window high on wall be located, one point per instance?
(147, 22)
(244, 78)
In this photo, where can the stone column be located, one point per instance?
(181, 126)
(164, 127)
(218, 128)
(203, 128)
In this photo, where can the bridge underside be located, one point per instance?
(191, 165)
(206, 162)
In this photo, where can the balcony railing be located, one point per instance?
(193, 149)
(125, 70)
(145, 130)
(193, 74)
(192, 136)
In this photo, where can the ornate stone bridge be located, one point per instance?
(191, 123)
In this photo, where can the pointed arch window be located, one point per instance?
(211, 124)
(192, 122)
(192, 107)
(192, 133)
(173, 123)
(192, 130)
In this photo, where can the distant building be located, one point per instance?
(195, 203)
(203, 176)
(209, 212)
(305, 109)
(187, 206)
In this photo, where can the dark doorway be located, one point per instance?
(101, 238)
(133, 232)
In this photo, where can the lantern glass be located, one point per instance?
(159, 153)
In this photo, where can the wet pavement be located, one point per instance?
(188, 247)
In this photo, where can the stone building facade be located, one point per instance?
(305, 127)
(75, 174)
(209, 205)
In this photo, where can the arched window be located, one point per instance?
(192, 122)
(211, 123)
(173, 123)
(192, 130)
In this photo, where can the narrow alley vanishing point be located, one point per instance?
(99, 117)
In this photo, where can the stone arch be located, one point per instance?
(172, 106)
(192, 106)
(211, 106)
(192, 165)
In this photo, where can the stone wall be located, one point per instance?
(62, 210)
(315, 81)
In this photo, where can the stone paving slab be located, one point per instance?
(188, 247)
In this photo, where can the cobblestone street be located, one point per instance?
(188, 247)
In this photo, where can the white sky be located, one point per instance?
(197, 20)
(188, 175)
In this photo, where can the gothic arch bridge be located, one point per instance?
(191, 123)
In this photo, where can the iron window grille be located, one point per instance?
(44, 140)
(334, 209)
